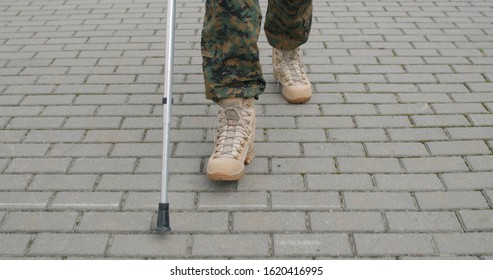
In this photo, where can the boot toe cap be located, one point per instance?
(226, 169)
(297, 93)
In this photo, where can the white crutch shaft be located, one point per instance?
(163, 210)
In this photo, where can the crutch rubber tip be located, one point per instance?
(163, 218)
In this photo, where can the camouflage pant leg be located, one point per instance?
(229, 49)
(288, 23)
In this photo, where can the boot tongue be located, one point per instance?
(232, 115)
(233, 101)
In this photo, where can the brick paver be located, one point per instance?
(391, 158)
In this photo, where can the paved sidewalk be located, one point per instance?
(392, 158)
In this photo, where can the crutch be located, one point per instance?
(163, 213)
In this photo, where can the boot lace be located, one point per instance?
(231, 131)
(291, 67)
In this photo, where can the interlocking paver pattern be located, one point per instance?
(391, 158)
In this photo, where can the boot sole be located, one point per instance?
(221, 176)
(297, 100)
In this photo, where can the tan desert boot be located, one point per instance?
(289, 71)
(234, 134)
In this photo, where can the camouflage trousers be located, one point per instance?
(230, 56)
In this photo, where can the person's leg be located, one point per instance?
(288, 23)
(287, 27)
(230, 55)
(233, 79)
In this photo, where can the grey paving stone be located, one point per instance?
(17, 182)
(404, 109)
(176, 165)
(390, 244)
(114, 136)
(440, 120)
(137, 149)
(60, 182)
(269, 222)
(11, 136)
(130, 182)
(349, 109)
(290, 110)
(69, 110)
(272, 149)
(115, 222)
(232, 201)
(79, 150)
(51, 136)
(378, 201)
(124, 110)
(144, 123)
(38, 165)
(347, 222)
(370, 98)
(466, 133)
(422, 221)
(272, 182)
(23, 150)
(424, 97)
(408, 182)
(454, 108)
(451, 200)
(93, 122)
(150, 201)
(10, 99)
(468, 181)
(477, 97)
(103, 165)
(434, 164)
(93, 99)
(176, 135)
(325, 122)
(458, 148)
(464, 243)
(193, 222)
(86, 201)
(29, 89)
(480, 163)
(382, 121)
(481, 119)
(299, 245)
(261, 166)
(333, 149)
(396, 149)
(11, 111)
(411, 78)
(36, 122)
(357, 135)
(24, 200)
(339, 182)
(63, 244)
(14, 244)
(303, 165)
(191, 182)
(149, 245)
(231, 245)
(296, 135)
(80, 88)
(477, 220)
(368, 165)
(40, 221)
(417, 134)
(305, 201)
(48, 100)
